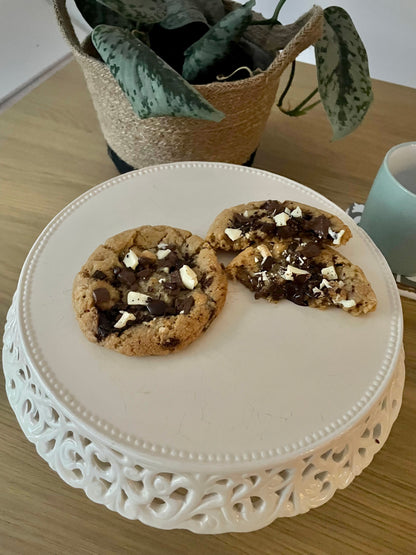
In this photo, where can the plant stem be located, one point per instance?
(273, 20)
(277, 10)
(302, 104)
(289, 82)
(297, 111)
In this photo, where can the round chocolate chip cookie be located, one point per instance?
(149, 291)
(236, 228)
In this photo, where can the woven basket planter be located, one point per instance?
(246, 104)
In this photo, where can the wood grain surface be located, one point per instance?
(51, 151)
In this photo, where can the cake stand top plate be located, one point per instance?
(265, 382)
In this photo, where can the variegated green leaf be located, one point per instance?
(96, 14)
(141, 11)
(152, 87)
(181, 13)
(215, 44)
(343, 76)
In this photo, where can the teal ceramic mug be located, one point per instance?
(389, 215)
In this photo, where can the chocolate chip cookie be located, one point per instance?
(236, 228)
(149, 291)
(305, 274)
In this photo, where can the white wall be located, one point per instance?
(32, 46)
(387, 28)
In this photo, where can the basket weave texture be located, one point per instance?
(246, 104)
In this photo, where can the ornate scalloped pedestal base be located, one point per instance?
(206, 503)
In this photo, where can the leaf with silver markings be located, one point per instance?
(343, 76)
(215, 44)
(152, 87)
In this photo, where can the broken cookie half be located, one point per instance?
(239, 227)
(305, 274)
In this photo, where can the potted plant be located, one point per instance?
(176, 80)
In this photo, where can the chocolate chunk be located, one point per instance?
(185, 304)
(145, 274)
(106, 321)
(172, 260)
(256, 283)
(310, 250)
(171, 343)
(267, 263)
(141, 314)
(239, 220)
(173, 283)
(98, 274)
(206, 281)
(127, 276)
(244, 223)
(101, 295)
(301, 278)
(286, 231)
(145, 262)
(296, 293)
(319, 226)
(272, 206)
(317, 294)
(276, 291)
(267, 227)
(120, 306)
(156, 307)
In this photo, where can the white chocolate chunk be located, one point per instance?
(325, 283)
(329, 273)
(264, 251)
(125, 317)
(347, 303)
(166, 270)
(263, 275)
(131, 260)
(233, 234)
(136, 298)
(245, 213)
(296, 213)
(287, 211)
(317, 292)
(281, 219)
(163, 253)
(162, 245)
(287, 274)
(297, 270)
(188, 277)
(290, 270)
(336, 236)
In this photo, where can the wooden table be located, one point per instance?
(51, 151)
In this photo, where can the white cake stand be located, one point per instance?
(265, 416)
